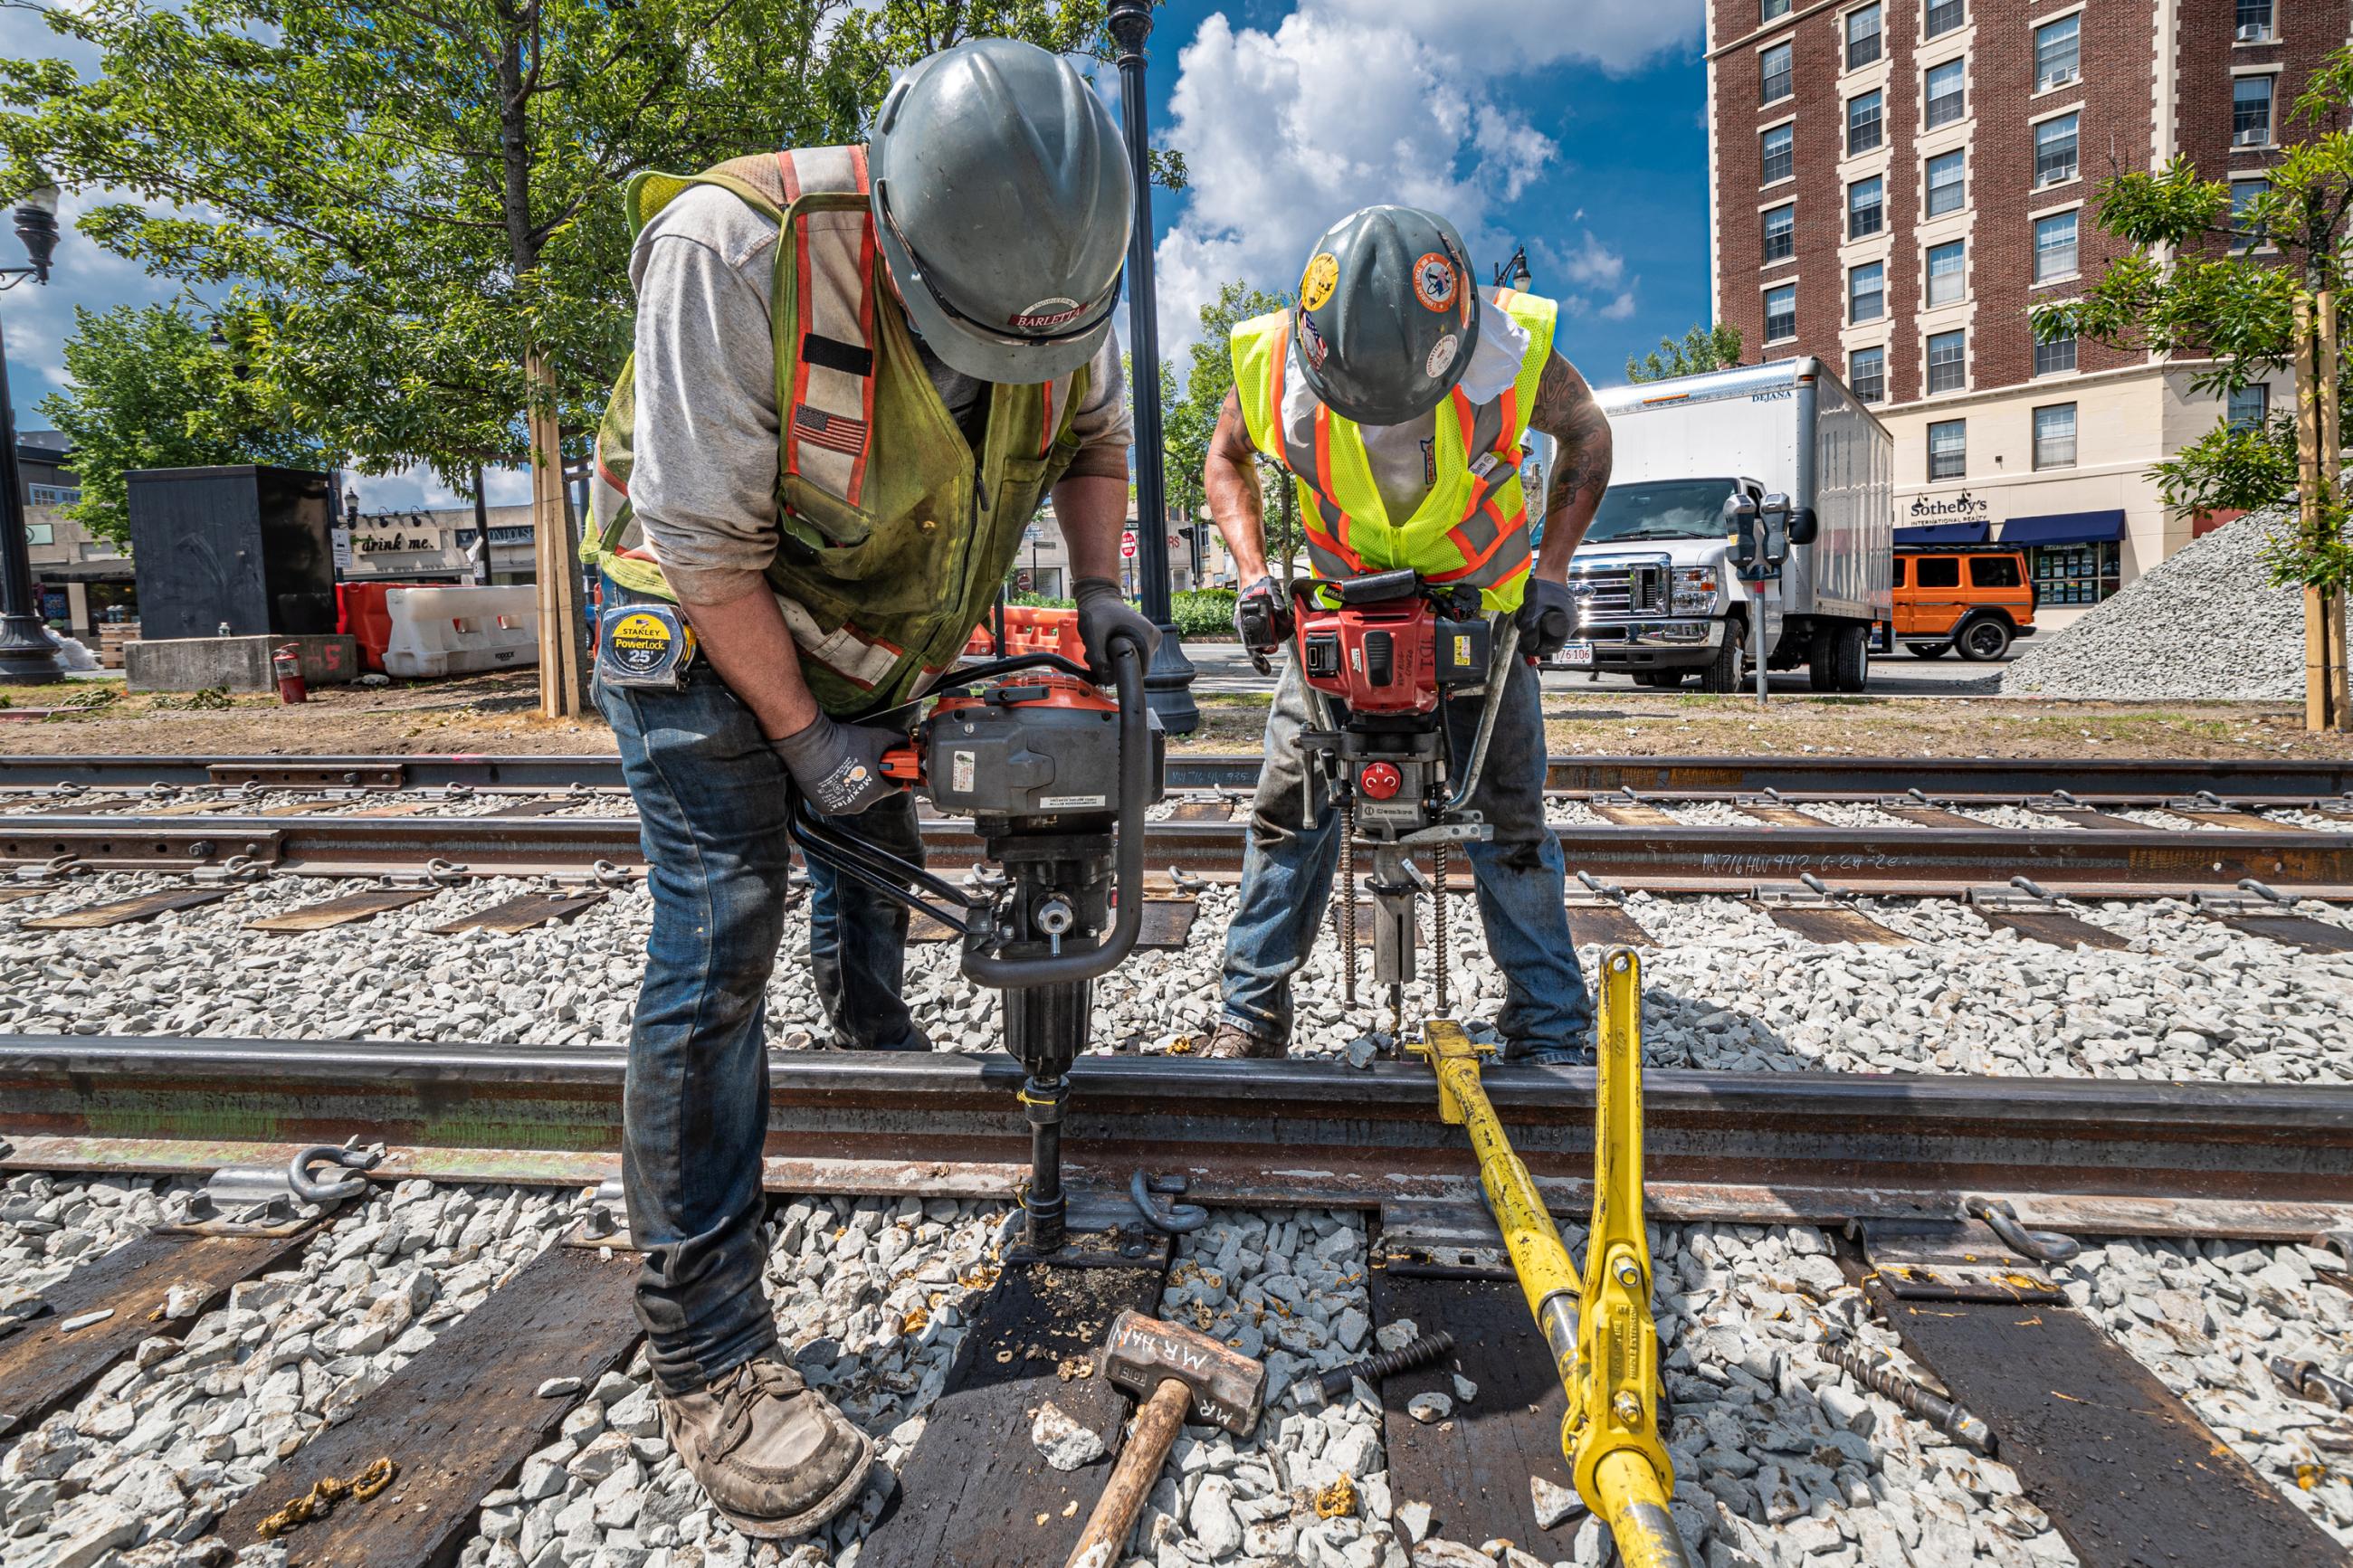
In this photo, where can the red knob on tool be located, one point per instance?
(1380, 780)
(903, 763)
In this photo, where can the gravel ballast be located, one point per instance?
(2207, 624)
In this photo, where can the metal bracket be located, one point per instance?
(2023, 893)
(271, 1200)
(1818, 895)
(1926, 1259)
(606, 1223)
(1437, 1240)
(1603, 892)
(238, 870)
(1174, 1219)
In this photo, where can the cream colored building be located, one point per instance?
(2082, 499)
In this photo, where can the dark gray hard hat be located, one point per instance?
(1003, 206)
(1387, 315)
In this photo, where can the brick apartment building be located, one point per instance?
(1895, 184)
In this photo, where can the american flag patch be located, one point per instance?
(830, 430)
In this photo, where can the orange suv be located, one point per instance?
(1976, 598)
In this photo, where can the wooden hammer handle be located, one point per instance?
(1157, 1422)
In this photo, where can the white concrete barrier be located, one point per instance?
(459, 631)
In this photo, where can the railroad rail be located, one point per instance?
(1981, 779)
(2125, 860)
(2099, 1157)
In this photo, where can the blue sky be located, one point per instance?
(1571, 126)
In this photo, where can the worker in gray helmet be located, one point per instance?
(1399, 398)
(857, 372)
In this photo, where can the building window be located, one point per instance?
(2244, 230)
(1866, 372)
(1948, 360)
(2255, 23)
(2075, 573)
(2057, 52)
(2055, 355)
(2054, 149)
(2054, 436)
(1775, 9)
(1863, 114)
(1774, 83)
(1948, 452)
(1780, 312)
(1865, 207)
(1943, 16)
(2251, 111)
(1947, 95)
(1948, 183)
(2251, 408)
(1780, 153)
(1781, 232)
(1946, 273)
(52, 495)
(2054, 247)
(1861, 36)
(1866, 292)
(40, 532)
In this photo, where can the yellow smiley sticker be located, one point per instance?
(1315, 284)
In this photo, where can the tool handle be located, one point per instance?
(1157, 1421)
(904, 764)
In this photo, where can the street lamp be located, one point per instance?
(1167, 684)
(27, 657)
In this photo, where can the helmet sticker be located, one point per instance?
(1442, 354)
(1311, 342)
(1315, 284)
(1435, 283)
(1046, 315)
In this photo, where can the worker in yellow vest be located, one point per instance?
(1397, 397)
(857, 372)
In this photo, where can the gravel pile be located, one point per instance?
(144, 1464)
(48, 1227)
(2207, 624)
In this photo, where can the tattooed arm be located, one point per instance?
(1565, 410)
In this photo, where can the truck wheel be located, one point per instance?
(1722, 673)
(1984, 640)
(1927, 649)
(1819, 658)
(1851, 658)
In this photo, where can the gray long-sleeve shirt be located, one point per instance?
(704, 482)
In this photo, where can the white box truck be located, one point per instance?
(1657, 596)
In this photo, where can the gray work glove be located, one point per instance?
(839, 766)
(1103, 613)
(1548, 617)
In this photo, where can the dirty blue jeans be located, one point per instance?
(1521, 876)
(711, 798)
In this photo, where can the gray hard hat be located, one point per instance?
(1387, 315)
(1003, 205)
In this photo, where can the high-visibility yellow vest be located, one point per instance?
(895, 532)
(1471, 530)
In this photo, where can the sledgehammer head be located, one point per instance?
(1229, 1389)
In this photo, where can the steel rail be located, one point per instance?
(2102, 1155)
(1911, 861)
(2098, 780)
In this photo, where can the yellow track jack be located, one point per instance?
(1604, 1342)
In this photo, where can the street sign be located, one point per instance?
(1127, 548)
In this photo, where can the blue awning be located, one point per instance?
(2065, 528)
(1942, 533)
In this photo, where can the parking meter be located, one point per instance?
(1740, 513)
(1773, 518)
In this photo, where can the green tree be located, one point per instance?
(1702, 349)
(1190, 418)
(150, 391)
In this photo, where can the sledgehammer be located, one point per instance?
(1174, 1373)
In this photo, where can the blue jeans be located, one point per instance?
(1520, 876)
(711, 798)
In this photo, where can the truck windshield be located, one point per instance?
(1666, 509)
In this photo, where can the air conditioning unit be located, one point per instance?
(2254, 32)
(2058, 79)
(2253, 136)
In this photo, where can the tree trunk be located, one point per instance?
(2319, 683)
(2332, 446)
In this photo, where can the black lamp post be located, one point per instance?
(27, 657)
(1169, 684)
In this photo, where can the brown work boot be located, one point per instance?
(1232, 1042)
(775, 1457)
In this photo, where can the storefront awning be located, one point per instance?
(2065, 528)
(1942, 533)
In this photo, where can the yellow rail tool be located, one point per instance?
(1604, 1343)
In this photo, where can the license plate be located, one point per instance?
(1577, 653)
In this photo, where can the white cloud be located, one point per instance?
(1349, 102)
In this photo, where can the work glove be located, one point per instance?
(1262, 620)
(1548, 617)
(1105, 616)
(839, 766)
